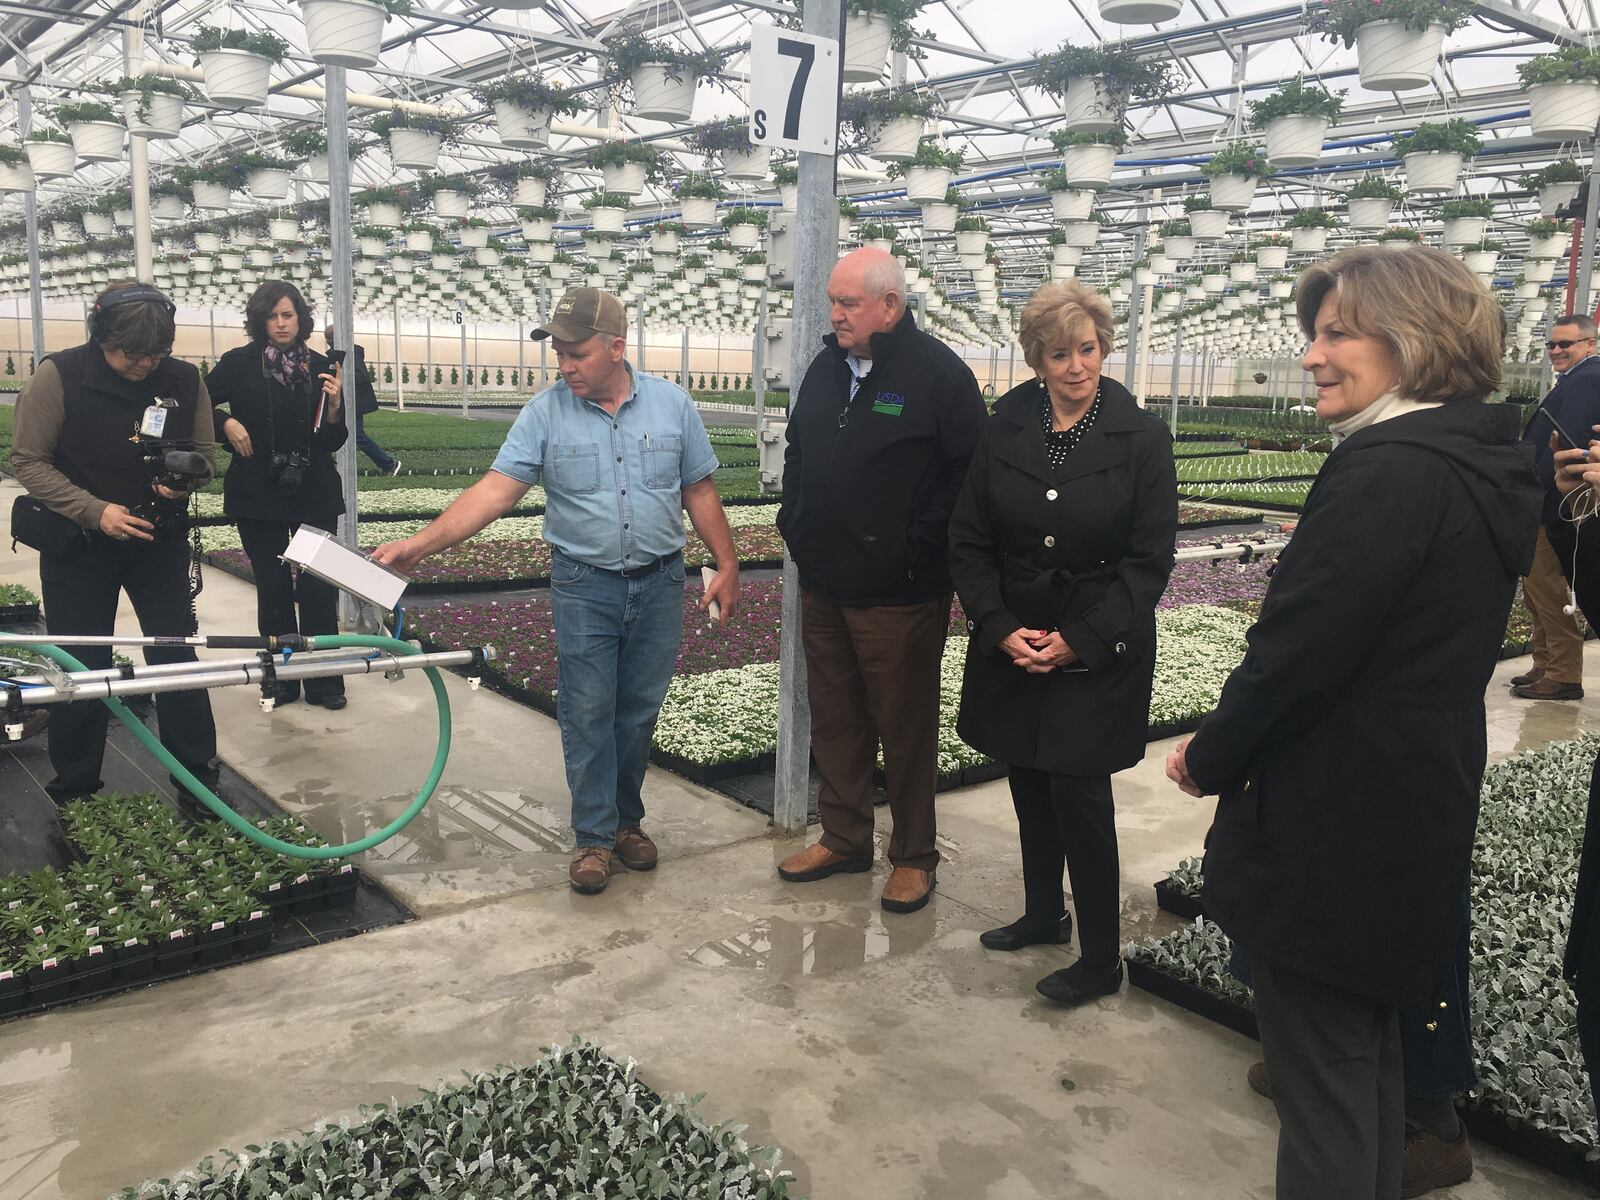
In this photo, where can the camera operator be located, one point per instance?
(284, 421)
(99, 429)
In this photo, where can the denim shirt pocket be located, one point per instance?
(662, 458)
(575, 468)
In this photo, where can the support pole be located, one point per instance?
(1130, 374)
(1011, 367)
(686, 358)
(522, 343)
(427, 368)
(211, 320)
(638, 337)
(30, 218)
(461, 321)
(340, 245)
(758, 360)
(1580, 301)
(816, 227)
(144, 265)
(1146, 358)
(1177, 362)
(399, 363)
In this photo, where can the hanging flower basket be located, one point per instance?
(1564, 111)
(207, 242)
(1552, 246)
(235, 78)
(214, 196)
(522, 128)
(529, 193)
(1273, 258)
(1245, 272)
(1553, 195)
(607, 219)
(1071, 204)
(316, 168)
(1089, 107)
(868, 38)
(1139, 12)
(1370, 213)
(939, 218)
(344, 33)
(663, 92)
(165, 207)
(1295, 141)
(1538, 270)
(1280, 289)
(699, 212)
(1061, 254)
(1178, 247)
(98, 224)
(1433, 171)
(1483, 262)
(750, 164)
(162, 115)
(1082, 234)
(1208, 225)
(51, 160)
(1308, 241)
(474, 237)
(415, 149)
(538, 229)
(1088, 165)
(16, 177)
(625, 178)
(1391, 57)
(1232, 193)
(384, 213)
(451, 205)
(97, 141)
(744, 237)
(896, 139)
(1465, 231)
(283, 229)
(268, 183)
(926, 185)
(972, 241)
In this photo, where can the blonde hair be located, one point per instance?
(1055, 312)
(1445, 329)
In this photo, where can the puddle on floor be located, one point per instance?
(795, 948)
(456, 825)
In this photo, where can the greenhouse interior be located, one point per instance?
(344, 947)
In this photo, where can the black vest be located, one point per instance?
(98, 449)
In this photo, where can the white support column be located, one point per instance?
(342, 304)
(461, 322)
(399, 363)
(139, 167)
(30, 220)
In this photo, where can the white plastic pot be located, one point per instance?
(166, 208)
(1272, 258)
(1062, 272)
(664, 241)
(1088, 107)
(1071, 204)
(1242, 272)
(1139, 12)
(373, 247)
(451, 205)
(163, 117)
(1082, 234)
(269, 183)
(607, 220)
(1434, 171)
(522, 128)
(235, 78)
(1483, 262)
(214, 196)
(1089, 166)
(1061, 254)
(97, 141)
(474, 237)
(1233, 193)
(1295, 141)
(938, 218)
(1308, 241)
(1564, 111)
(626, 179)
(51, 160)
(927, 185)
(1538, 270)
(896, 140)
(1557, 245)
(1178, 248)
(788, 196)
(283, 229)
(867, 41)
(1393, 58)
(744, 236)
(98, 225)
(1370, 212)
(746, 164)
(383, 214)
(1213, 283)
(1208, 224)
(316, 168)
(660, 96)
(1553, 195)
(419, 241)
(972, 241)
(1280, 289)
(16, 177)
(1465, 231)
(343, 33)
(415, 149)
(699, 212)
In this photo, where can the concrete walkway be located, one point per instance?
(888, 1056)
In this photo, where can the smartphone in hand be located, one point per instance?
(707, 576)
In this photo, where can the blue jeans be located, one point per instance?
(616, 648)
(380, 457)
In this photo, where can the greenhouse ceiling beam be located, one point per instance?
(43, 25)
(566, 41)
(1526, 22)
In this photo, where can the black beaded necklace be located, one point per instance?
(1059, 443)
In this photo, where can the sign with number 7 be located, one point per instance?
(794, 90)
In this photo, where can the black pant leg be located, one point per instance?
(263, 542)
(1578, 551)
(1589, 1043)
(1043, 858)
(1086, 817)
(318, 601)
(80, 596)
(157, 581)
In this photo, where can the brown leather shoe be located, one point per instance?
(1548, 689)
(907, 890)
(1532, 675)
(1260, 1081)
(635, 849)
(590, 869)
(818, 862)
(1431, 1163)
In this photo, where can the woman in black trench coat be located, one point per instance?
(1061, 544)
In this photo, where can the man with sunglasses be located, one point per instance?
(1573, 405)
(76, 448)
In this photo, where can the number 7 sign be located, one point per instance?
(794, 90)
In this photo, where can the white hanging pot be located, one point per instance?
(1272, 258)
(235, 78)
(1213, 283)
(474, 237)
(1483, 262)
(660, 96)
(1308, 241)
(1392, 58)
(415, 149)
(343, 33)
(1281, 289)
(1564, 111)
(540, 229)
(529, 193)
(97, 141)
(419, 241)
(1139, 12)
(51, 160)
(1232, 193)
(166, 208)
(1088, 107)
(283, 229)
(1088, 166)
(1553, 195)
(206, 242)
(382, 213)
(699, 212)
(451, 205)
(1062, 272)
(522, 128)
(1178, 248)
(1208, 224)
(1295, 141)
(163, 116)
(1242, 272)
(626, 179)
(972, 241)
(1434, 171)
(1071, 204)
(607, 220)
(748, 164)
(938, 218)
(788, 196)
(269, 183)
(1062, 253)
(214, 196)
(927, 185)
(16, 177)
(486, 256)
(123, 218)
(664, 241)
(1557, 245)
(1370, 212)
(316, 168)
(98, 225)
(1538, 270)
(1465, 231)
(1526, 290)
(1082, 234)
(867, 39)
(744, 236)
(372, 247)
(896, 140)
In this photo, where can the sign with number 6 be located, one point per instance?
(794, 90)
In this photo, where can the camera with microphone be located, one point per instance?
(287, 469)
(176, 466)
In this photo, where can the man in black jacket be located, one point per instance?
(878, 442)
(366, 402)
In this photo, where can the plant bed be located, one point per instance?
(1230, 1014)
(1173, 899)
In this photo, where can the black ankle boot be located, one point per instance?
(1081, 982)
(1028, 932)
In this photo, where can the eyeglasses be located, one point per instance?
(1566, 343)
(141, 359)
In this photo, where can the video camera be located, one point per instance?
(176, 466)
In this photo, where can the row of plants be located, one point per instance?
(1262, 465)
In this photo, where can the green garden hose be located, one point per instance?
(226, 814)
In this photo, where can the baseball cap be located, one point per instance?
(581, 313)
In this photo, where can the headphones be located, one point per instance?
(134, 293)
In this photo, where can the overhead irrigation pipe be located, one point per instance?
(1240, 552)
(393, 657)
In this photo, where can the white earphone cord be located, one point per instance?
(1583, 499)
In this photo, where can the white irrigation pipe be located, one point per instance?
(1242, 552)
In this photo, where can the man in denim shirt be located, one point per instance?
(621, 455)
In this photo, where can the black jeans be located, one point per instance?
(80, 596)
(278, 591)
(1069, 821)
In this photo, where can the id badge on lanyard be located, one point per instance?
(154, 424)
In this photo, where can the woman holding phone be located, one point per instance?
(280, 406)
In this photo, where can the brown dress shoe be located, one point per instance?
(635, 849)
(1431, 1163)
(1532, 675)
(907, 890)
(1548, 689)
(1260, 1081)
(590, 869)
(818, 862)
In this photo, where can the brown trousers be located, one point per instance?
(871, 674)
(1557, 642)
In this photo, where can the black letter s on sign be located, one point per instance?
(759, 118)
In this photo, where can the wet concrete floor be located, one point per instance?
(889, 1056)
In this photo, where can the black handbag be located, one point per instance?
(44, 529)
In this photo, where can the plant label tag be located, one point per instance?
(216, 925)
(302, 879)
(4, 975)
(176, 935)
(257, 914)
(274, 887)
(128, 943)
(93, 931)
(96, 951)
(49, 964)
